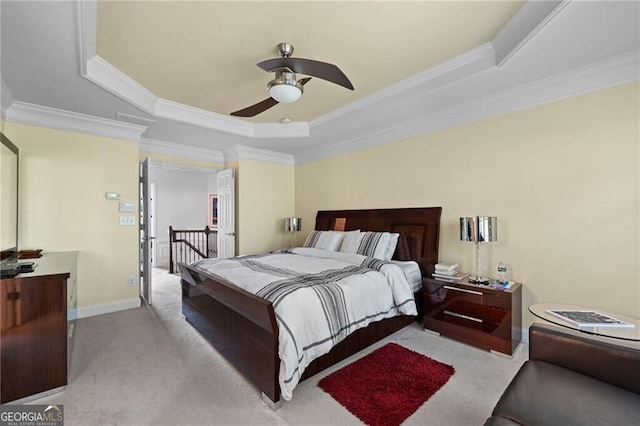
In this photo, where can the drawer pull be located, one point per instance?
(463, 316)
(479, 293)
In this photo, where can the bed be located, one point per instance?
(243, 326)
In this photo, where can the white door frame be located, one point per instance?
(145, 239)
(153, 192)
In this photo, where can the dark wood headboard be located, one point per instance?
(419, 229)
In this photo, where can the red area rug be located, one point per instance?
(388, 385)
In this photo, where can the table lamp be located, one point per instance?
(479, 229)
(291, 225)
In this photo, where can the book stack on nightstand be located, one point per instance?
(448, 272)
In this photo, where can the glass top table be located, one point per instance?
(630, 331)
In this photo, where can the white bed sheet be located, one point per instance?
(411, 270)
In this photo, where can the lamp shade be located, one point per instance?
(479, 229)
(487, 228)
(292, 224)
(468, 229)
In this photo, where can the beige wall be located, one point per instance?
(264, 198)
(563, 180)
(64, 177)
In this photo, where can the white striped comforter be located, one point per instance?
(319, 297)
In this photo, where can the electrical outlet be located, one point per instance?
(131, 281)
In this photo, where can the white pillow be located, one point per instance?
(391, 247)
(327, 240)
(351, 242)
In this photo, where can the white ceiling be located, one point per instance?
(176, 69)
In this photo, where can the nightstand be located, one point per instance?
(474, 314)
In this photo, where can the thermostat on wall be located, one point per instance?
(111, 195)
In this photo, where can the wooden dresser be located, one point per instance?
(475, 314)
(37, 319)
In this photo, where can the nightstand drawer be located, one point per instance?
(439, 291)
(477, 311)
(456, 294)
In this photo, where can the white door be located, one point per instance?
(146, 239)
(226, 214)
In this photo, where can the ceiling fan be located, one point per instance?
(285, 88)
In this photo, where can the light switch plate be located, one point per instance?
(127, 207)
(127, 220)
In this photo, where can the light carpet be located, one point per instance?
(148, 366)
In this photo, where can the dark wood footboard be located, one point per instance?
(240, 325)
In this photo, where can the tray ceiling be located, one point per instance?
(167, 74)
(204, 54)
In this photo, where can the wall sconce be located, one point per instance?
(479, 229)
(291, 225)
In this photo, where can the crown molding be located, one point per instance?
(257, 154)
(113, 80)
(87, 15)
(180, 167)
(37, 115)
(199, 117)
(154, 146)
(527, 21)
(135, 119)
(297, 129)
(6, 98)
(612, 72)
(467, 64)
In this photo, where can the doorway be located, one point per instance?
(178, 196)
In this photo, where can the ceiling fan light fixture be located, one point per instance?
(285, 89)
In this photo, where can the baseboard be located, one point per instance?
(33, 397)
(106, 308)
(524, 335)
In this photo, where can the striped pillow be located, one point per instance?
(371, 244)
(326, 240)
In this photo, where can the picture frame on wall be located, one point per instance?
(213, 211)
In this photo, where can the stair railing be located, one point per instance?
(189, 245)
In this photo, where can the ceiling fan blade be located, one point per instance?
(255, 109)
(318, 69)
(261, 107)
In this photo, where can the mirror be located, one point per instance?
(8, 203)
